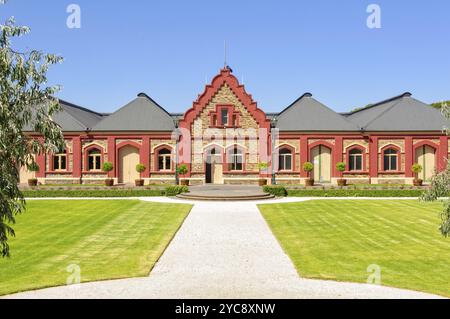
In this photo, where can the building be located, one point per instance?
(224, 136)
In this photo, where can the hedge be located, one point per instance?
(355, 192)
(278, 191)
(176, 190)
(43, 193)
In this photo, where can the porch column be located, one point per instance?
(443, 153)
(409, 157)
(337, 156)
(145, 156)
(112, 155)
(304, 153)
(373, 153)
(76, 157)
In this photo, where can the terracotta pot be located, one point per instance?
(32, 182)
(109, 182)
(139, 182)
(262, 182)
(418, 182)
(184, 182)
(309, 182)
(342, 182)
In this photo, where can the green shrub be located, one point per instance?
(417, 168)
(341, 167)
(182, 169)
(33, 167)
(107, 167)
(278, 191)
(355, 192)
(140, 168)
(176, 190)
(47, 193)
(308, 167)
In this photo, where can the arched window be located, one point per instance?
(390, 160)
(94, 159)
(165, 159)
(285, 159)
(355, 160)
(235, 160)
(60, 161)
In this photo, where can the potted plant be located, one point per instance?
(33, 167)
(417, 169)
(182, 170)
(340, 167)
(140, 168)
(108, 167)
(308, 168)
(262, 168)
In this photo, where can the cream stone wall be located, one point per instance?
(397, 142)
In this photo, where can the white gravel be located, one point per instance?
(223, 250)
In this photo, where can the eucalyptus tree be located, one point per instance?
(440, 184)
(26, 101)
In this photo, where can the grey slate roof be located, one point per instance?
(141, 114)
(74, 118)
(307, 114)
(400, 113)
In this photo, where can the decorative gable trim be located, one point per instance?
(225, 77)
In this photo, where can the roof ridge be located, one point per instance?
(145, 95)
(406, 94)
(307, 94)
(79, 107)
(382, 113)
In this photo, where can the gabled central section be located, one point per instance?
(224, 104)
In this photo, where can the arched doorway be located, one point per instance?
(426, 156)
(214, 167)
(128, 159)
(321, 158)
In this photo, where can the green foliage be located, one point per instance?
(341, 167)
(417, 168)
(25, 101)
(182, 169)
(439, 105)
(278, 191)
(107, 167)
(308, 167)
(77, 193)
(355, 192)
(33, 167)
(263, 166)
(140, 168)
(176, 190)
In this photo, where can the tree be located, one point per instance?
(440, 185)
(25, 102)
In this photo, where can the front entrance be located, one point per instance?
(321, 158)
(425, 156)
(128, 159)
(214, 168)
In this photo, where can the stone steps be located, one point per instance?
(225, 197)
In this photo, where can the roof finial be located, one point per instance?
(225, 54)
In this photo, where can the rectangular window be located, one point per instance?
(224, 116)
(59, 162)
(285, 162)
(94, 162)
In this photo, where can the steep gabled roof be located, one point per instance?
(307, 114)
(400, 113)
(141, 114)
(74, 118)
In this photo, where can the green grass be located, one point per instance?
(339, 239)
(107, 239)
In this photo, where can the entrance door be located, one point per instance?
(128, 159)
(218, 173)
(426, 156)
(214, 168)
(321, 158)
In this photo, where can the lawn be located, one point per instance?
(339, 239)
(106, 239)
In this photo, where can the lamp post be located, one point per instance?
(177, 138)
(273, 127)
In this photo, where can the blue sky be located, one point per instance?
(280, 49)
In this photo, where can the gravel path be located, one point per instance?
(223, 250)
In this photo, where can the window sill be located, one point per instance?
(94, 172)
(58, 172)
(391, 172)
(356, 173)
